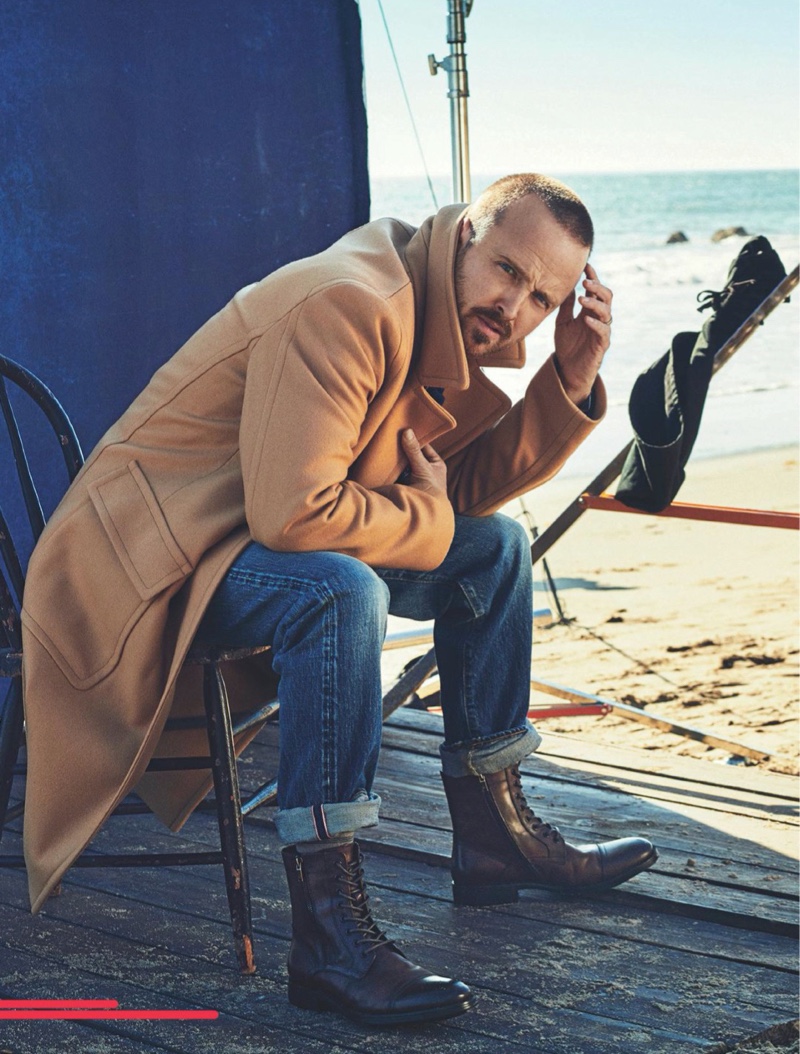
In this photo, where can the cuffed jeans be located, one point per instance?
(324, 614)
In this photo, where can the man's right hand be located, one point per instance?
(427, 471)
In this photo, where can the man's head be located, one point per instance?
(522, 249)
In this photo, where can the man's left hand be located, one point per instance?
(582, 340)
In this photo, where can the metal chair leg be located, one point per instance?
(11, 725)
(226, 789)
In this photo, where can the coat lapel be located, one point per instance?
(430, 257)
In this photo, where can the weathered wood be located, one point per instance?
(555, 971)
(613, 973)
(607, 756)
(721, 871)
(560, 976)
(598, 914)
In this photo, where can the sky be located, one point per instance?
(628, 85)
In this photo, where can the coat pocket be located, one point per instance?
(99, 579)
(138, 531)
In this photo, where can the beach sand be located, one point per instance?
(696, 621)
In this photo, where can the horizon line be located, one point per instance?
(606, 172)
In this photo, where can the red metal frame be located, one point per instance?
(712, 513)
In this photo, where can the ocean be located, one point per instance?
(754, 401)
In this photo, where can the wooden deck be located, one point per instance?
(698, 954)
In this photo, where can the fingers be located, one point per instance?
(566, 310)
(430, 454)
(419, 457)
(597, 301)
(427, 470)
(602, 329)
(416, 458)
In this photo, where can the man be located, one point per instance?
(326, 450)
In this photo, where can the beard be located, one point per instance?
(477, 342)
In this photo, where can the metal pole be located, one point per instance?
(458, 92)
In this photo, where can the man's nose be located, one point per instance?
(509, 303)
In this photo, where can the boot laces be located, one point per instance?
(711, 298)
(538, 825)
(354, 894)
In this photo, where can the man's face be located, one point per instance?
(519, 272)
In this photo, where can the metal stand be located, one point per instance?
(455, 66)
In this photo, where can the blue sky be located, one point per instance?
(629, 85)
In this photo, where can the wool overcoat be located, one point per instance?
(279, 421)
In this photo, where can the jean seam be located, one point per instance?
(261, 578)
(330, 637)
(468, 694)
(328, 711)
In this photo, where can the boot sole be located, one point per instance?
(306, 998)
(508, 892)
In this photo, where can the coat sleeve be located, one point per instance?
(524, 449)
(309, 384)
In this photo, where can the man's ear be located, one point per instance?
(467, 232)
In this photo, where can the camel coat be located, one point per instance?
(279, 421)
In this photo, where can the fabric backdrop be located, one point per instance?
(157, 156)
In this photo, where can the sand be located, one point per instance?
(697, 622)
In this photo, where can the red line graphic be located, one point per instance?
(91, 1010)
(58, 1004)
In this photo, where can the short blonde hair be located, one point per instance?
(566, 207)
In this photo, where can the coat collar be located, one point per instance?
(430, 258)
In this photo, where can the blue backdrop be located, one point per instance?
(157, 155)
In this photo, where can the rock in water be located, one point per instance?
(727, 232)
(675, 237)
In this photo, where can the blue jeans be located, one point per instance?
(324, 614)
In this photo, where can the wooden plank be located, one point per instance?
(609, 974)
(722, 871)
(736, 778)
(563, 1032)
(230, 1032)
(656, 889)
(653, 890)
(720, 878)
(432, 845)
(261, 841)
(761, 834)
(622, 918)
(773, 822)
(34, 1037)
(583, 782)
(585, 812)
(409, 784)
(502, 1015)
(562, 983)
(443, 933)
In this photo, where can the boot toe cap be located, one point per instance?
(430, 993)
(625, 857)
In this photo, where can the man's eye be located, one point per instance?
(541, 299)
(508, 269)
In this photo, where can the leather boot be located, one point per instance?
(501, 847)
(340, 960)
